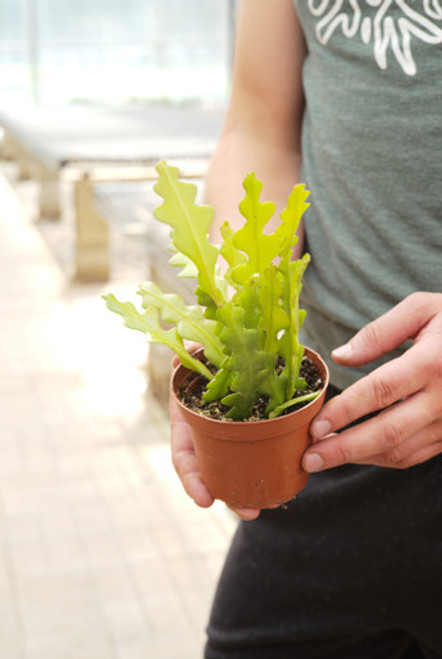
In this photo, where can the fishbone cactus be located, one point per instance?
(247, 319)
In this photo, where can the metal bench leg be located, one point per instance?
(92, 253)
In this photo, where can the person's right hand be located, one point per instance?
(186, 463)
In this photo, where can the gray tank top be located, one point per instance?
(372, 158)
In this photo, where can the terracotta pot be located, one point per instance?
(253, 464)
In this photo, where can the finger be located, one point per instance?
(246, 514)
(186, 465)
(379, 390)
(187, 468)
(185, 461)
(380, 435)
(315, 441)
(424, 454)
(420, 447)
(381, 336)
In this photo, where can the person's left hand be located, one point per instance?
(408, 389)
(185, 461)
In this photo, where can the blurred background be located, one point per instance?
(114, 51)
(102, 555)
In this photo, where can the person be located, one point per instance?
(346, 98)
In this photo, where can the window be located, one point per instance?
(59, 51)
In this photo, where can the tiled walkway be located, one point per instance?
(102, 556)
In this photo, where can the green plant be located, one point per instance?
(247, 320)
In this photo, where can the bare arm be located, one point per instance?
(263, 122)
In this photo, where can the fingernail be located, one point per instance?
(313, 462)
(343, 352)
(321, 429)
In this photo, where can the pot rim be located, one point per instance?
(286, 419)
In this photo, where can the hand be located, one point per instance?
(186, 463)
(408, 389)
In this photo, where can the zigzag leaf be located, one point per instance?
(149, 324)
(248, 364)
(273, 318)
(290, 348)
(233, 256)
(291, 217)
(189, 320)
(190, 224)
(261, 249)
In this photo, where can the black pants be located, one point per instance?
(351, 569)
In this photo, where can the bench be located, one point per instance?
(93, 144)
(129, 205)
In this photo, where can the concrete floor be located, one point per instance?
(102, 556)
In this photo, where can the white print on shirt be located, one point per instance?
(386, 29)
